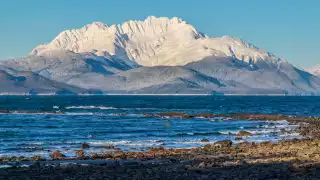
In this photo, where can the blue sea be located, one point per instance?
(32, 129)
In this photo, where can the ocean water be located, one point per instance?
(119, 121)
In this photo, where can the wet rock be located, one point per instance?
(209, 147)
(234, 162)
(37, 158)
(35, 165)
(57, 155)
(80, 154)
(223, 144)
(266, 143)
(283, 130)
(187, 116)
(244, 134)
(95, 156)
(21, 158)
(4, 111)
(103, 156)
(204, 140)
(108, 147)
(173, 114)
(181, 115)
(245, 145)
(202, 165)
(159, 141)
(149, 115)
(238, 138)
(260, 126)
(119, 156)
(15, 158)
(85, 146)
(161, 148)
(205, 115)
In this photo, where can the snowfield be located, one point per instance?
(158, 56)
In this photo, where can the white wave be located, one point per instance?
(156, 141)
(123, 108)
(279, 122)
(109, 142)
(5, 166)
(79, 114)
(89, 107)
(285, 126)
(290, 135)
(228, 132)
(34, 113)
(258, 131)
(146, 143)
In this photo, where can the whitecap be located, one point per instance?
(109, 142)
(77, 114)
(89, 107)
(5, 166)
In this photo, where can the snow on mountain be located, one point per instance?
(154, 42)
(164, 80)
(61, 65)
(162, 55)
(315, 70)
(285, 77)
(13, 82)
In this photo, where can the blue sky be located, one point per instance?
(288, 28)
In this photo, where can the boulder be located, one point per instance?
(208, 147)
(205, 115)
(80, 154)
(36, 165)
(174, 114)
(245, 145)
(4, 111)
(108, 147)
(37, 158)
(204, 140)
(244, 134)
(57, 155)
(223, 144)
(85, 146)
(95, 156)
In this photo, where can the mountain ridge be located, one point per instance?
(31, 83)
(315, 70)
(148, 43)
(162, 55)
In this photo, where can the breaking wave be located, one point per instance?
(89, 107)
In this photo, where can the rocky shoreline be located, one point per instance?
(289, 159)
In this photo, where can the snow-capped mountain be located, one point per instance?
(19, 82)
(162, 55)
(62, 65)
(315, 70)
(154, 42)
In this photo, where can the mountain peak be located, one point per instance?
(173, 20)
(155, 41)
(315, 70)
(98, 24)
(165, 55)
